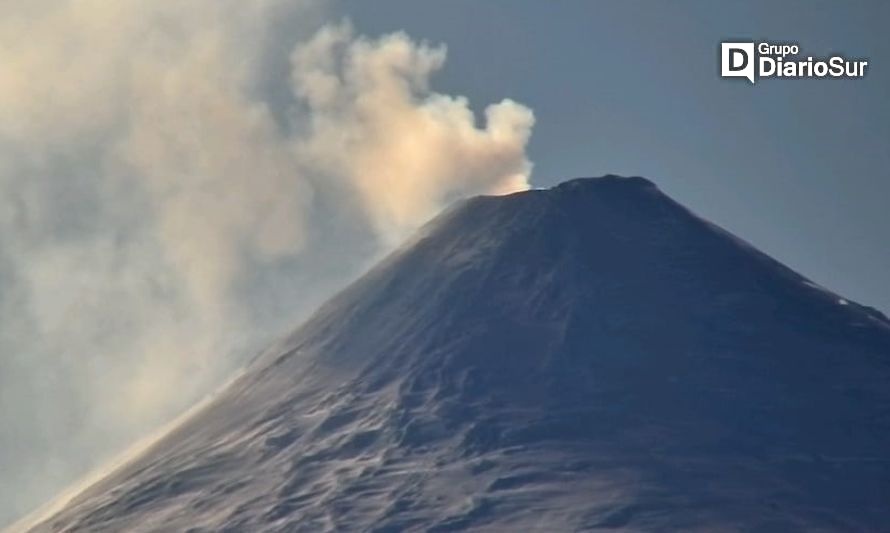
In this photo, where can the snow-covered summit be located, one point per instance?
(590, 356)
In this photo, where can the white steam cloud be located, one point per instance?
(404, 150)
(178, 180)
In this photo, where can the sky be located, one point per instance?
(799, 168)
(182, 182)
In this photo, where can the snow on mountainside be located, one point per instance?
(587, 357)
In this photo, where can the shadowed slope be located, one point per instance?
(589, 356)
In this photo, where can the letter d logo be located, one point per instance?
(737, 60)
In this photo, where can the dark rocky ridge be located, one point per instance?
(586, 357)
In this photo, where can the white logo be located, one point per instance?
(737, 60)
(783, 60)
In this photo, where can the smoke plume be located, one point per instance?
(181, 180)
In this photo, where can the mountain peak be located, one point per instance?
(582, 185)
(606, 180)
(574, 358)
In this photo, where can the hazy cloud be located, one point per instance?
(161, 214)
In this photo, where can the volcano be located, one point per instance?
(589, 357)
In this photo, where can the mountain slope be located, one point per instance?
(591, 356)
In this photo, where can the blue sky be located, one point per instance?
(800, 168)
